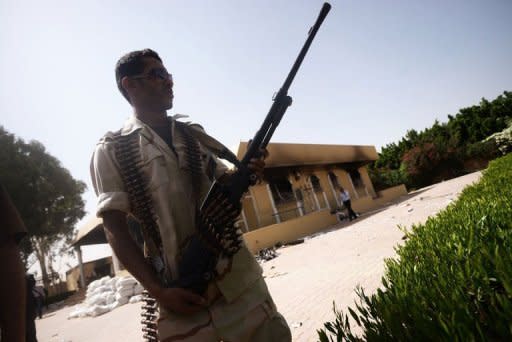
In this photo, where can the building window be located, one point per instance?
(334, 179)
(281, 190)
(356, 178)
(315, 182)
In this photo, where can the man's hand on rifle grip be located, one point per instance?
(257, 165)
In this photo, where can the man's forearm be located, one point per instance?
(129, 253)
(173, 299)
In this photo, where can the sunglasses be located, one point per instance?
(154, 74)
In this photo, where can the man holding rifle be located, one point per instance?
(172, 166)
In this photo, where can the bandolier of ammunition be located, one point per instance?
(193, 160)
(215, 228)
(215, 236)
(129, 158)
(219, 232)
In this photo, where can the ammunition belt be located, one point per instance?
(214, 236)
(129, 159)
(193, 160)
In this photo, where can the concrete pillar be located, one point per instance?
(255, 206)
(326, 200)
(116, 263)
(297, 187)
(315, 198)
(352, 185)
(273, 204)
(78, 251)
(334, 192)
(246, 225)
(370, 191)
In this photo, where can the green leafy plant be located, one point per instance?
(447, 150)
(452, 278)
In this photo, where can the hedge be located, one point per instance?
(451, 279)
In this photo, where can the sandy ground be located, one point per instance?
(304, 279)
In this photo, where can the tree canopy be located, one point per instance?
(44, 192)
(445, 150)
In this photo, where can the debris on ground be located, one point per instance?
(277, 274)
(290, 243)
(266, 254)
(296, 324)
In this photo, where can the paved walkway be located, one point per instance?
(304, 279)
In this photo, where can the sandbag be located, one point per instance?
(126, 281)
(105, 294)
(99, 310)
(138, 289)
(95, 300)
(135, 299)
(121, 300)
(125, 292)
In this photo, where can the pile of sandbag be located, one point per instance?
(106, 294)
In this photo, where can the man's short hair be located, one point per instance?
(132, 64)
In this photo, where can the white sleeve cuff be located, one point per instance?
(112, 201)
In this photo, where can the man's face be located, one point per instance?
(153, 87)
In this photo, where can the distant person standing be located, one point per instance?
(12, 272)
(345, 198)
(40, 296)
(31, 309)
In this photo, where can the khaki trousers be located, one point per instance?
(250, 317)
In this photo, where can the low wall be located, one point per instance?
(288, 231)
(57, 289)
(297, 228)
(382, 198)
(390, 194)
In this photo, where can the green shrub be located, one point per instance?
(452, 279)
(430, 163)
(383, 178)
(503, 139)
(487, 149)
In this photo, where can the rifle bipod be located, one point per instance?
(149, 317)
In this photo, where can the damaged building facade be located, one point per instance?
(300, 192)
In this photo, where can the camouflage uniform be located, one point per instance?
(240, 307)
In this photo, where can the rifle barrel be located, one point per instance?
(312, 33)
(282, 101)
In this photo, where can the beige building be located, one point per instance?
(93, 270)
(299, 194)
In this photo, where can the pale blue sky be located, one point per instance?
(375, 70)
